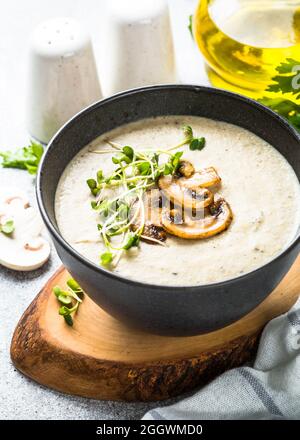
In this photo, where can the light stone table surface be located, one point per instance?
(21, 398)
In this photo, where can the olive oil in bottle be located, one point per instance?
(243, 41)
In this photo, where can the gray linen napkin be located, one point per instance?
(269, 390)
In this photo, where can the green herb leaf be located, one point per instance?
(190, 26)
(128, 151)
(103, 208)
(8, 227)
(144, 168)
(188, 132)
(94, 204)
(284, 82)
(125, 159)
(92, 184)
(95, 191)
(197, 144)
(63, 310)
(100, 176)
(115, 160)
(175, 160)
(27, 158)
(57, 291)
(64, 299)
(69, 320)
(168, 169)
(133, 240)
(74, 285)
(67, 299)
(106, 258)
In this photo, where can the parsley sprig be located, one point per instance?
(283, 83)
(190, 25)
(136, 172)
(26, 158)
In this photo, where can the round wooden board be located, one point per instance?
(101, 358)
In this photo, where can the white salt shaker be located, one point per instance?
(139, 45)
(62, 76)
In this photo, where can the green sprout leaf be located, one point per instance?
(188, 132)
(168, 169)
(94, 204)
(128, 151)
(57, 291)
(68, 299)
(175, 160)
(8, 227)
(64, 310)
(106, 258)
(194, 143)
(144, 168)
(74, 285)
(100, 176)
(64, 299)
(69, 320)
(133, 240)
(92, 184)
(197, 144)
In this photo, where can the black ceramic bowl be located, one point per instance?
(164, 309)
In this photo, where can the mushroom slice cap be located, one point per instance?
(189, 198)
(218, 219)
(186, 169)
(206, 178)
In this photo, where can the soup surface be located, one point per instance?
(257, 181)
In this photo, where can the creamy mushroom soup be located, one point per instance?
(248, 192)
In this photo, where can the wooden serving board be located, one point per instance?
(101, 358)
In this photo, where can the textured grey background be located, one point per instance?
(21, 398)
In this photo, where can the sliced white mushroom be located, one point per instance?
(25, 249)
(206, 178)
(12, 196)
(217, 218)
(153, 231)
(178, 194)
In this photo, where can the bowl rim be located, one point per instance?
(122, 279)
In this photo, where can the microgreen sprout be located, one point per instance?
(7, 228)
(69, 299)
(136, 172)
(194, 143)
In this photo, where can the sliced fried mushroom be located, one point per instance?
(217, 219)
(206, 178)
(153, 231)
(190, 198)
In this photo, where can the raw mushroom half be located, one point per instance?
(217, 219)
(25, 249)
